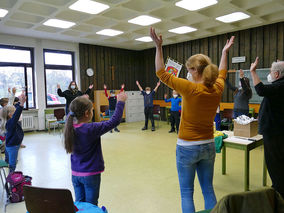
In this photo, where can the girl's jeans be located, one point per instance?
(199, 158)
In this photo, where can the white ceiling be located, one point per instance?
(26, 18)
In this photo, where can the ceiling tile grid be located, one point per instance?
(26, 18)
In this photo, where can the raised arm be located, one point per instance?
(157, 86)
(254, 76)
(165, 98)
(105, 88)
(59, 92)
(103, 127)
(224, 58)
(231, 87)
(11, 96)
(19, 108)
(88, 91)
(159, 60)
(122, 87)
(140, 88)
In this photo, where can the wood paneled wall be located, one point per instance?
(267, 42)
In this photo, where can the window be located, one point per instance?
(16, 70)
(59, 69)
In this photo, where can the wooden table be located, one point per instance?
(247, 146)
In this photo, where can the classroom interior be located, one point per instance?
(140, 172)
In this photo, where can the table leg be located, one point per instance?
(264, 177)
(246, 170)
(223, 159)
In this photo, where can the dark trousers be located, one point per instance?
(175, 119)
(148, 111)
(274, 158)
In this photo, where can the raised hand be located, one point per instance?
(14, 90)
(241, 73)
(91, 86)
(122, 97)
(228, 44)
(158, 83)
(105, 87)
(254, 65)
(165, 96)
(122, 86)
(157, 39)
(22, 99)
(58, 86)
(137, 83)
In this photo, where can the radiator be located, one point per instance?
(28, 122)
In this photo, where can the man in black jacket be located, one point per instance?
(271, 121)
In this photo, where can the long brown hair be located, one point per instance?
(4, 117)
(78, 107)
(204, 67)
(76, 87)
(248, 92)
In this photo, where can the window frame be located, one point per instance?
(25, 66)
(57, 67)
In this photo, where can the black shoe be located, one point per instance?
(110, 131)
(172, 130)
(153, 128)
(144, 128)
(116, 129)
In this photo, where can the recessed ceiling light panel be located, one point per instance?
(144, 20)
(88, 6)
(144, 39)
(193, 5)
(109, 32)
(3, 13)
(237, 16)
(59, 23)
(182, 30)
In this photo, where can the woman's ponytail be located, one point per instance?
(210, 74)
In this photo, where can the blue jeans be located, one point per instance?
(87, 188)
(198, 158)
(11, 155)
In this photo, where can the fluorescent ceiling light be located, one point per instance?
(233, 17)
(195, 4)
(88, 6)
(109, 32)
(58, 23)
(182, 30)
(144, 20)
(144, 39)
(3, 12)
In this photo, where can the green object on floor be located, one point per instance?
(3, 164)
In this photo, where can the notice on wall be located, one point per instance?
(173, 67)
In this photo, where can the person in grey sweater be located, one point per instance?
(241, 95)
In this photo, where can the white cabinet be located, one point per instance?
(134, 107)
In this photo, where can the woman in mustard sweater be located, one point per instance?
(201, 95)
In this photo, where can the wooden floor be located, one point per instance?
(140, 174)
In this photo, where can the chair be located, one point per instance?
(251, 112)
(44, 200)
(263, 200)
(59, 115)
(49, 118)
(227, 120)
(3, 165)
(157, 113)
(168, 114)
(104, 109)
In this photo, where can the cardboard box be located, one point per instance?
(247, 131)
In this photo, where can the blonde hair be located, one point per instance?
(4, 117)
(204, 67)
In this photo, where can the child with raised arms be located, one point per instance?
(83, 140)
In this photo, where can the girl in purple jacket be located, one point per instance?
(83, 140)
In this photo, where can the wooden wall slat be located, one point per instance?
(266, 42)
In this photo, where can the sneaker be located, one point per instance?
(153, 128)
(110, 131)
(23, 146)
(116, 129)
(144, 128)
(172, 130)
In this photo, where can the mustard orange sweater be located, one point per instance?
(199, 105)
